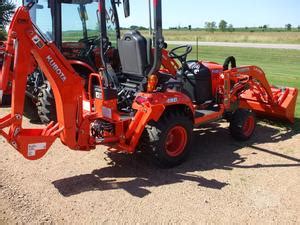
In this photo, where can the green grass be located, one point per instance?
(282, 67)
(250, 37)
(77, 35)
(186, 35)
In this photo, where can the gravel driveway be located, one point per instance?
(223, 181)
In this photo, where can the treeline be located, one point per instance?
(134, 27)
(224, 26)
(7, 8)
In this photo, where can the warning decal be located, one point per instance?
(33, 148)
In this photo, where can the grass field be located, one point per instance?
(251, 37)
(282, 67)
(185, 35)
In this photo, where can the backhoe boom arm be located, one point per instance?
(26, 49)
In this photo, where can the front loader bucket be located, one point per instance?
(280, 105)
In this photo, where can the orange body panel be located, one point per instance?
(216, 70)
(169, 64)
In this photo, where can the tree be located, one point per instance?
(7, 8)
(288, 26)
(134, 27)
(210, 26)
(190, 27)
(299, 27)
(231, 28)
(2, 35)
(223, 25)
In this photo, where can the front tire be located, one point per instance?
(170, 139)
(242, 124)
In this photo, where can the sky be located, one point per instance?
(239, 13)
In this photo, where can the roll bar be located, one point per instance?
(158, 38)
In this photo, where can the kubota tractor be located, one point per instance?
(151, 99)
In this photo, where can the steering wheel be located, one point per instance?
(90, 44)
(90, 40)
(181, 57)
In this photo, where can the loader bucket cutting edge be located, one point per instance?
(282, 105)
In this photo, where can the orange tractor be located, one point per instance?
(142, 96)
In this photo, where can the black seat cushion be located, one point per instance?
(133, 55)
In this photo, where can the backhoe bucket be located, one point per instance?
(280, 105)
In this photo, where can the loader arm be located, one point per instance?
(261, 97)
(25, 47)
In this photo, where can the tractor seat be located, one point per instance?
(135, 55)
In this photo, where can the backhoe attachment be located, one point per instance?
(26, 48)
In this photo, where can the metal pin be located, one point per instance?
(17, 131)
(18, 117)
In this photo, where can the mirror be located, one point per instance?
(126, 6)
(82, 12)
(31, 1)
(38, 6)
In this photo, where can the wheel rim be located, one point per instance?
(176, 141)
(249, 126)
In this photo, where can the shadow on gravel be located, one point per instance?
(213, 149)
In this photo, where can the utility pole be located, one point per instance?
(150, 18)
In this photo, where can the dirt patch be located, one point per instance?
(223, 181)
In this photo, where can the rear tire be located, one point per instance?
(46, 104)
(6, 100)
(242, 124)
(169, 139)
(30, 110)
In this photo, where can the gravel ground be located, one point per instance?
(223, 181)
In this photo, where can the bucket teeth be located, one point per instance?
(52, 129)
